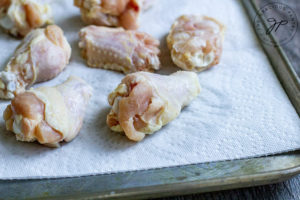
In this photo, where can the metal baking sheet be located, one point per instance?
(169, 181)
(185, 179)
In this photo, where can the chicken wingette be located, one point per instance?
(118, 49)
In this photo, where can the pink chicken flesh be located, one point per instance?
(144, 102)
(196, 42)
(118, 49)
(49, 115)
(41, 56)
(123, 13)
(19, 17)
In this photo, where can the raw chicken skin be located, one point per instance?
(118, 49)
(144, 102)
(123, 13)
(49, 114)
(41, 56)
(19, 17)
(196, 42)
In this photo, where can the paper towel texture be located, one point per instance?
(241, 112)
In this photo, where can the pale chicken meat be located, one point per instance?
(41, 56)
(118, 49)
(49, 115)
(123, 13)
(143, 102)
(195, 42)
(19, 17)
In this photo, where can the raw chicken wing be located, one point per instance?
(196, 42)
(144, 102)
(118, 49)
(49, 114)
(123, 13)
(19, 17)
(41, 56)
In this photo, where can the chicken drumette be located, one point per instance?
(123, 13)
(41, 56)
(49, 115)
(19, 17)
(195, 42)
(144, 102)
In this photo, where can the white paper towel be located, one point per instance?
(241, 112)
